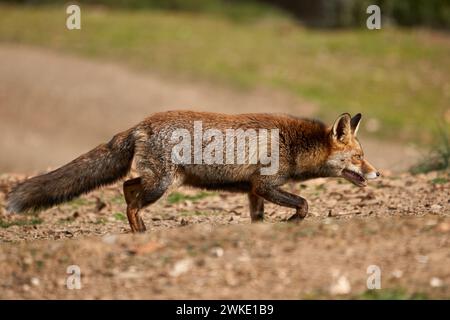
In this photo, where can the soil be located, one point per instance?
(202, 245)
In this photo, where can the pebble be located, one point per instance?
(436, 282)
(35, 281)
(181, 267)
(217, 252)
(436, 208)
(340, 286)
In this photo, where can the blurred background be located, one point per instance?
(64, 91)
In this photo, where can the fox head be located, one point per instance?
(346, 158)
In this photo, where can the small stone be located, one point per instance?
(435, 208)
(181, 267)
(35, 281)
(341, 286)
(436, 282)
(217, 251)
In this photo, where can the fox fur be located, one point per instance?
(307, 149)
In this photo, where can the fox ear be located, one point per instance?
(354, 123)
(342, 130)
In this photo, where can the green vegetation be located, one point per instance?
(119, 199)
(399, 77)
(392, 294)
(325, 13)
(78, 202)
(100, 221)
(439, 180)
(23, 222)
(381, 294)
(237, 10)
(120, 216)
(438, 158)
(176, 197)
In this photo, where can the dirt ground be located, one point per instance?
(200, 244)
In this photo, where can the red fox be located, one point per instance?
(307, 149)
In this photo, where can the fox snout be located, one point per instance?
(369, 171)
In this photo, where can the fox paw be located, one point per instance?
(296, 218)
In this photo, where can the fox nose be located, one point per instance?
(378, 174)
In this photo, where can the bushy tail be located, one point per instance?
(101, 166)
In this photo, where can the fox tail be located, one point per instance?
(101, 166)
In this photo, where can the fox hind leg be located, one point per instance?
(256, 207)
(141, 192)
(132, 190)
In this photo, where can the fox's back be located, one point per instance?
(163, 131)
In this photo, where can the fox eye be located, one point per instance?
(358, 156)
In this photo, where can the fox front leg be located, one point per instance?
(256, 207)
(285, 199)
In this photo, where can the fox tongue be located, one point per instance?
(354, 177)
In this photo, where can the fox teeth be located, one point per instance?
(371, 175)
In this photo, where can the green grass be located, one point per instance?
(439, 180)
(438, 157)
(78, 202)
(117, 199)
(120, 216)
(399, 77)
(238, 11)
(101, 221)
(177, 197)
(392, 294)
(23, 222)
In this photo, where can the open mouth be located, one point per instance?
(354, 177)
